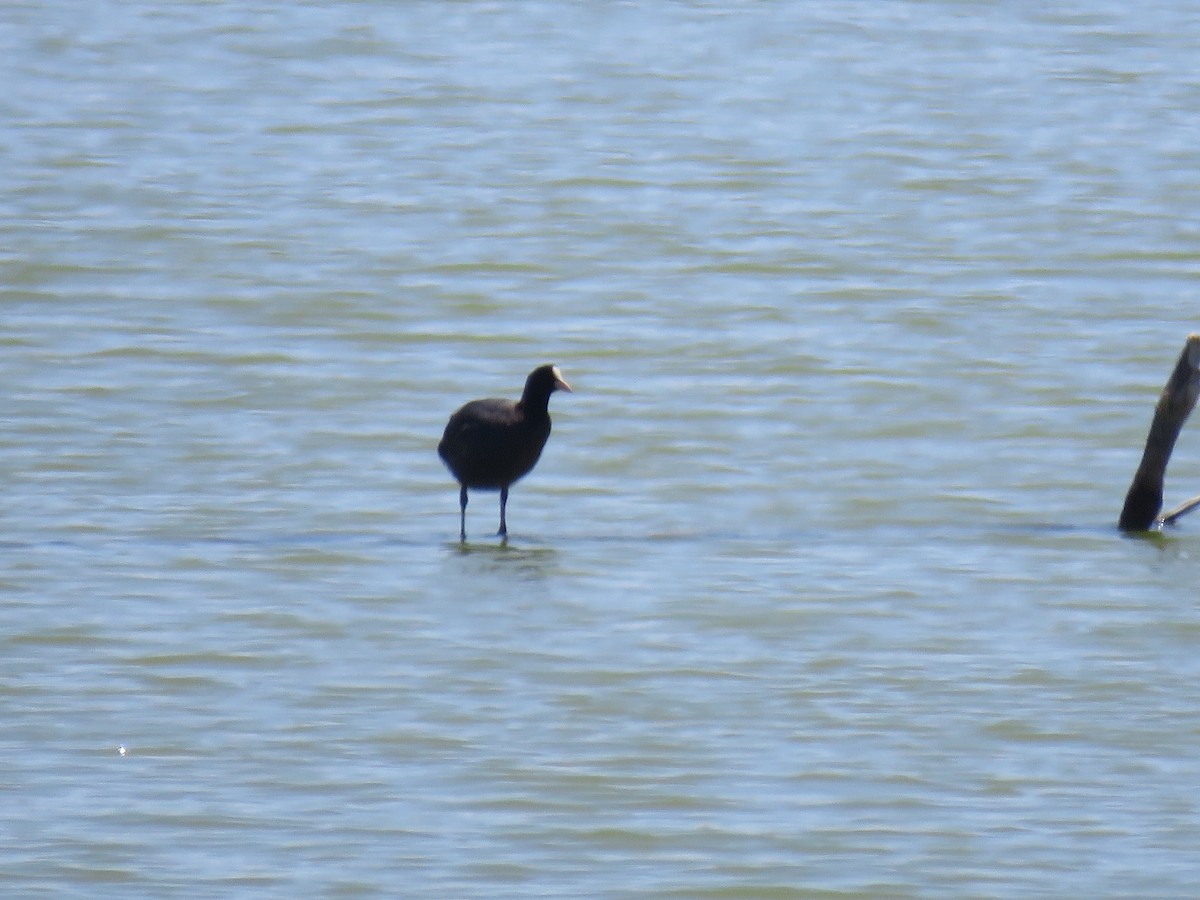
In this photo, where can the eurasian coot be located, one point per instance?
(489, 444)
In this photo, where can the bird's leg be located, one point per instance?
(462, 515)
(503, 532)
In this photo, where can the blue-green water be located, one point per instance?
(816, 591)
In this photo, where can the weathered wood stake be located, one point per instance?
(1145, 496)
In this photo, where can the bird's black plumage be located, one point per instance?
(490, 444)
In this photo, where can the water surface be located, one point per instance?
(816, 591)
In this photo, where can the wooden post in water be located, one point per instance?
(1145, 496)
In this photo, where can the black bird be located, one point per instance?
(490, 444)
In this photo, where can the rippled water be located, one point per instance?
(816, 591)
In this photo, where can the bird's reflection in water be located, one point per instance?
(529, 561)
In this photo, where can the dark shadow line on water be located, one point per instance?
(536, 543)
(1156, 535)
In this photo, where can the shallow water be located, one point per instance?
(816, 590)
